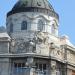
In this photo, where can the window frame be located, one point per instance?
(24, 25)
(53, 29)
(41, 25)
(11, 27)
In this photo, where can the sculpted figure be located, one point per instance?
(41, 38)
(30, 46)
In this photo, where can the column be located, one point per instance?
(4, 66)
(30, 63)
(53, 67)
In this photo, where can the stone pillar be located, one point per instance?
(30, 63)
(53, 67)
(4, 66)
(32, 70)
(69, 72)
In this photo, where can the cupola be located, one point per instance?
(42, 6)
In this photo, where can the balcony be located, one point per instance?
(27, 71)
(20, 71)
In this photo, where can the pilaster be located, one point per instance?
(53, 67)
(30, 64)
(4, 66)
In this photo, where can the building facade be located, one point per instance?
(32, 45)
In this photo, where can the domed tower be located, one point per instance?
(33, 28)
(32, 19)
(33, 16)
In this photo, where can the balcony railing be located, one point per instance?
(26, 71)
(20, 71)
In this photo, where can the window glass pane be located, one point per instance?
(53, 29)
(19, 68)
(24, 25)
(11, 27)
(15, 64)
(23, 64)
(19, 65)
(44, 66)
(36, 66)
(40, 25)
(40, 67)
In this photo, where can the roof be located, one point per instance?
(33, 3)
(65, 41)
(4, 35)
(33, 6)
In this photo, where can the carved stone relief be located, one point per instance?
(41, 38)
(56, 51)
(40, 42)
(20, 45)
(30, 46)
(53, 66)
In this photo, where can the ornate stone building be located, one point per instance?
(31, 45)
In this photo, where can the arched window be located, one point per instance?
(53, 29)
(24, 25)
(41, 25)
(11, 27)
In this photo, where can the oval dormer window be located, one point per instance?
(24, 25)
(41, 25)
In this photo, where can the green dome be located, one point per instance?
(42, 6)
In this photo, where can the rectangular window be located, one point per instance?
(41, 67)
(19, 68)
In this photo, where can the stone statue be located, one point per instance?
(31, 46)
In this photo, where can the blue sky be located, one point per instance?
(65, 9)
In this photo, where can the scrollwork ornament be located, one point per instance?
(21, 46)
(41, 38)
